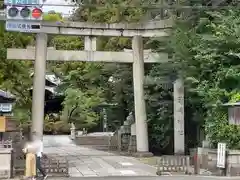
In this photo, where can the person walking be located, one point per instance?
(30, 166)
(39, 155)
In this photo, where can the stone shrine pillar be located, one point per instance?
(133, 129)
(179, 137)
(132, 144)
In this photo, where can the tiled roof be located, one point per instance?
(52, 78)
(232, 104)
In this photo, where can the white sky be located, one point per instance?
(62, 9)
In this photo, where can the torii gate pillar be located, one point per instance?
(39, 85)
(139, 101)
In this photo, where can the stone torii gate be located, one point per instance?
(137, 57)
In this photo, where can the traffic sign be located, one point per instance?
(23, 26)
(37, 13)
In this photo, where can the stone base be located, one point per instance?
(122, 153)
(142, 154)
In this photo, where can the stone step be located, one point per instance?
(92, 140)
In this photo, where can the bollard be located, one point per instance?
(159, 171)
(196, 164)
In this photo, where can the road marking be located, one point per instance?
(90, 175)
(126, 163)
(166, 174)
(127, 172)
(209, 177)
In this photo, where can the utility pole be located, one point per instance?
(38, 101)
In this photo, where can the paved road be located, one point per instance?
(150, 178)
(87, 162)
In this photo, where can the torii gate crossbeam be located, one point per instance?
(96, 56)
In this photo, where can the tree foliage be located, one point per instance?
(79, 107)
(52, 16)
(81, 84)
(120, 89)
(13, 75)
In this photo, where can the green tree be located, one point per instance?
(79, 107)
(120, 89)
(52, 16)
(14, 74)
(81, 84)
(207, 55)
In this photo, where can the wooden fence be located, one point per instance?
(173, 164)
(57, 166)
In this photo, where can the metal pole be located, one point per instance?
(139, 101)
(104, 120)
(38, 100)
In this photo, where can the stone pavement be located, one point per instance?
(88, 162)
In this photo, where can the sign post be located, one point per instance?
(221, 156)
(26, 16)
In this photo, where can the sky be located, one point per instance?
(62, 9)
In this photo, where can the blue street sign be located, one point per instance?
(23, 2)
(24, 26)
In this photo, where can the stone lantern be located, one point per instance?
(73, 131)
